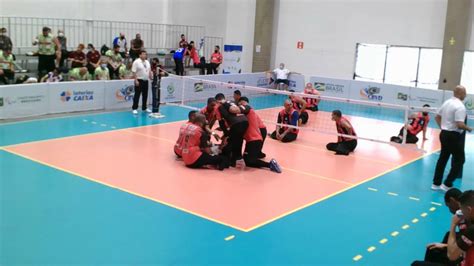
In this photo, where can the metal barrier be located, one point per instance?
(22, 31)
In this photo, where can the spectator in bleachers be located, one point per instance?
(216, 60)
(78, 57)
(93, 58)
(178, 59)
(183, 42)
(136, 46)
(79, 74)
(7, 71)
(197, 62)
(125, 70)
(49, 51)
(102, 72)
(64, 53)
(5, 41)
(114, 61)
(121, 41)
(53, 76)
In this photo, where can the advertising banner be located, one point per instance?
(331, 87)
(119, 94)
(23, 100)
(76, 96)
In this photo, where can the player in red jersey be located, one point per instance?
(344, 144)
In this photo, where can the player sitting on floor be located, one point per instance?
(196, 150)
(299, 105)
(287, 116)
(419, 122)
(311, 103)
(233, 124)
(178, 148)
(344, 144)
(254, 140)
(209, 111)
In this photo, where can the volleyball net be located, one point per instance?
(372, 121)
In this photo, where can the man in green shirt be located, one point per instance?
(7, 71)
(49, 51)
(79, 74)
(114, 61)
(125, 71)
(102, 72)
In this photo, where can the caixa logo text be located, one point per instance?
(76, 96)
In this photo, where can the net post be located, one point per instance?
(405, 123)
(182, 89)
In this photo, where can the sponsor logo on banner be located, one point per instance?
(371, 93)
(469, 104)
(328, 87)
(170, 89)
(425, 100)
(264, 82)
(21, 100)
(201, 86)
(292, 83)
(77, 96)
(402, 96)
(125, 94)
(198, 87)
(242, 83)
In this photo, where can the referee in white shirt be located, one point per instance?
(451, 119)
(142, 73)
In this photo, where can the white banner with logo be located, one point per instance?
(331, 87)
(23, 100)
(232, 59)
(198, 89)
(119, 94)
(420, 97)
(76, 96)
(377, 92)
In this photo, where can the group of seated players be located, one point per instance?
(238, 121)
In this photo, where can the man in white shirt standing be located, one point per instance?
(451, 119)
(141, 70)
(282, 74)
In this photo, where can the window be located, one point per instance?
(407, 66)
(467, 78)
(429, 68)
(401, 67)
(370, 62)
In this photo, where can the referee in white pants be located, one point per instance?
(451, 119)
(142, 73)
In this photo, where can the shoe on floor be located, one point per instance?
(274, 166)
(445, 188)
(435, 187)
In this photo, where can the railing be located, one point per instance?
(22, 31)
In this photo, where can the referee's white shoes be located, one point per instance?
(443, 187)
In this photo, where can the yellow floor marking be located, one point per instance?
(125, 190)
(436, 203)
(424, 214)
(199, 215)
(394, 234)
(383, 241)
(432, 209)
(392, 194)
(414, 221)
(371, 249)
(229, 238)
(405, 227)
(373, 189)
(413, 198)
(357, 258)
